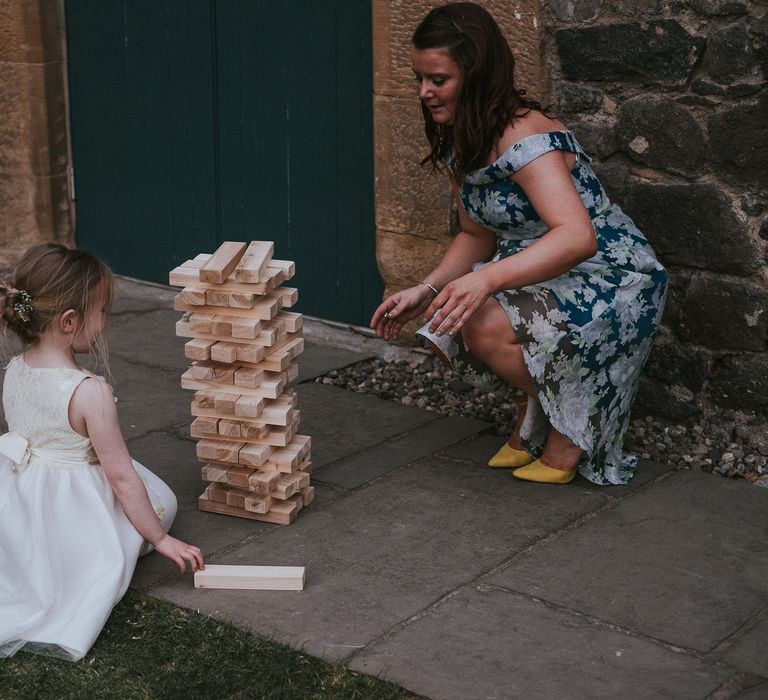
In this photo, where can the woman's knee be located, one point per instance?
(488, 331)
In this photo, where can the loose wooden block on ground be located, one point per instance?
(263, 578)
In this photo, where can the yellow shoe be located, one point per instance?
(510, 458)
(536, 471)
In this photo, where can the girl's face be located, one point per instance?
(92, 326)
(439, 78)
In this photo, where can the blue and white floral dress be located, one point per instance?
(587, 333)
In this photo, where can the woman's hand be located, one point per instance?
(457, 302)
(397, 310)
(180, 552)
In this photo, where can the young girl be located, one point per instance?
(75, 511)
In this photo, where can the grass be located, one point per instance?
(152, 649)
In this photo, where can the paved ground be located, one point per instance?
(452, 579)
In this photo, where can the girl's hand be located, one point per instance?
(397, 310)
(457, 302)
(179, 551)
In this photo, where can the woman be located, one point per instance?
(547, 284)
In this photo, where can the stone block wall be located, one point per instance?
(670, 98)
(415, 218)
(34, 135)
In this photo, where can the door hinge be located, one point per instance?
(72, 183)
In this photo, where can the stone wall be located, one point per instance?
(415, 218)
(34, 136)
(671, 99)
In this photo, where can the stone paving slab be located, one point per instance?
(358, 468)
(342, 422)
(749, 651)
(385, 552)
(684, 561)
(487, 643)
(148, 338)
(149, 398)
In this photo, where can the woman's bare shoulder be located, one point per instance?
(534, 122)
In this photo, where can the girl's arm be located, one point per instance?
(570, 240)
(93, 408)
(472, 244)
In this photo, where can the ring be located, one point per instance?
(386, 314)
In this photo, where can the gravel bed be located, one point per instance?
(728, 445)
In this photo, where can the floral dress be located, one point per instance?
(586, 334)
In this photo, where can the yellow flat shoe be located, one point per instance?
(510, 458)
(541, 473)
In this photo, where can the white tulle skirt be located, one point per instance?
(67, 554)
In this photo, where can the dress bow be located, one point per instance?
(16, 448)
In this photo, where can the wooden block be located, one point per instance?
(225, 403)
(248, 406)
(253, 432)
(200, 322)
(288, 296)
(192, 296)
(222, 262)
(247, 328)
(224, 352)
(198, 349)
(283, 513)
(215, 297)
(250, 353)
(262, 482)
(188, 275)
(248, 377)
(216, 492)
(275, 435)
(221, 325)
(241, 300)
(253, 455)
(258, 578)
(229, 428)
(219, 450)
(203, 426)
(258, 503)
(213, 472)
(202, 400)
(235, 498)
(291, 321)
(307, 495)
(211, 372)
(253, 264)
(285, 487)
(238, 476)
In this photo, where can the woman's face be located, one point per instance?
(439, 79)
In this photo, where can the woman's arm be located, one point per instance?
(471, 244)
(570, 240)
(93, 405)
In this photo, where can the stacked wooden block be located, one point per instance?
(243, 348)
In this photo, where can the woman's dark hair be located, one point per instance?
(488, 100)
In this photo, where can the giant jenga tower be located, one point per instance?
(243, 346)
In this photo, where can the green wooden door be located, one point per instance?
(199, 121)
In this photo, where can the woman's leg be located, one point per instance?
(489, 336)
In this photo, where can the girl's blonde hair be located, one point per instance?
(49, 280)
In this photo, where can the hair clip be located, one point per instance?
(22, 306)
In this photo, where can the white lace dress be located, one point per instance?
(67, 550)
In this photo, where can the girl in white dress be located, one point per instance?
(75, 511)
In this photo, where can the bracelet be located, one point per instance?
(431, 286)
